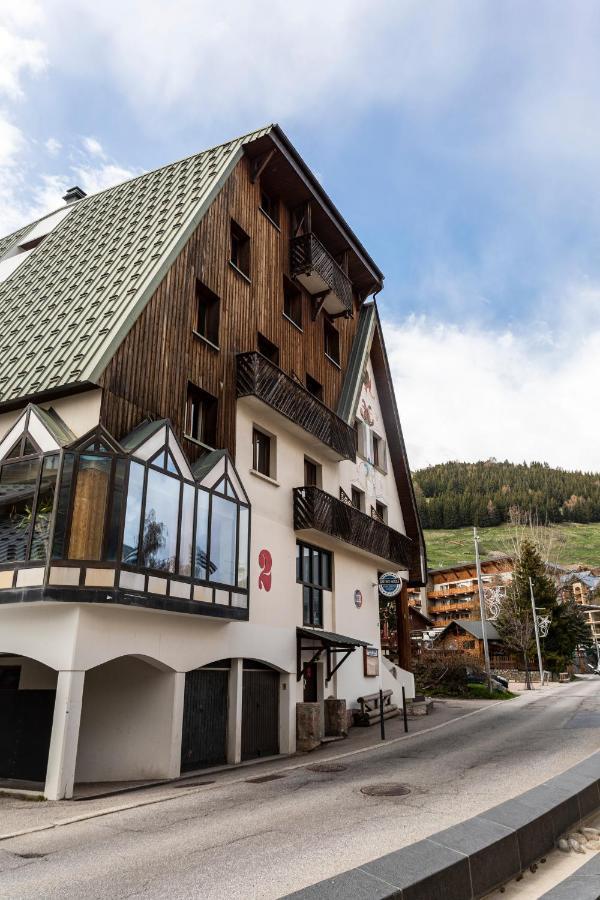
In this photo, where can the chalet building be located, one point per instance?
(467, 637)
(452, 593)
(202, 471)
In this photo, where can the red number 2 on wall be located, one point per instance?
(265, 562)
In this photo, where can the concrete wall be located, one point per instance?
(126, 722)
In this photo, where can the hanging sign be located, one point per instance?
(358, 599)
(390, 584)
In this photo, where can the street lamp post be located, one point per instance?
(537, 633)
(486, 651)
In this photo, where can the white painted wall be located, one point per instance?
(81, 412)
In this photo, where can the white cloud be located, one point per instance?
(471, 393)
(19, 54)
(97, 178)
(52, 146)
(92, 146)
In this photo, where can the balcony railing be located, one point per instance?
(314, 508)
(259, 377)
(318, 272)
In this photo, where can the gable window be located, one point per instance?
(201, 416)
(261, 452)
(240, 249)
(312, 473)
(332, 341)
(314, 387)
(359, 437)
(207, 313)
(378, 451)
(292, 302)
(357, 497)
(313, 572)
(267, 348)
(270, 206)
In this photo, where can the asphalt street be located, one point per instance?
(265, 838)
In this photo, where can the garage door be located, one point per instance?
(204, 739)
(26, 726)
(260, 711)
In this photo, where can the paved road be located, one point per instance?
(262, 840)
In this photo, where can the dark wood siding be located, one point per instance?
(148, 374)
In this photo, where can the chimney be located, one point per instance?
(74, 194)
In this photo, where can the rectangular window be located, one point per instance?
(314, 387)
(89, 507)
(133, 513)
(313, 572)
(357, 498)
(207, 313)
(223, 533)
(380, 511)
(270, 206)
(267, 348)
(312, 473)
(378, 451)
(201, 417)
(292, 301)
(161, 515)
(201, 554)
(187, 531)
(240, 249)
(17, 492)
(261, 452)
(332, 341)
(44, 506)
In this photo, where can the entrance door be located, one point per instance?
(311, 691)
(260, 711)
(204, 738)
(26, 718)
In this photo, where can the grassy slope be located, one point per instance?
(569, 544)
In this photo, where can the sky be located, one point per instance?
(459, 138)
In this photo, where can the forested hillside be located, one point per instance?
(454, 494)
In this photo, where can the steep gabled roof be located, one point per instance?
(473, 627)
(369, 343)
(67, 307)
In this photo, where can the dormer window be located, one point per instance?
(28, 241)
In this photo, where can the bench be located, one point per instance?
(370, 712)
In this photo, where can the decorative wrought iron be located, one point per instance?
(314, 508)
(543, 625)
(307, 255)
(257, 376)
(494, 597)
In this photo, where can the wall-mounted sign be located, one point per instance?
(265, 561)
(358, 599)
(390, 584)
(371, 661)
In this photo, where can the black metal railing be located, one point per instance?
(308, 255)
(259, 377)
(314, 508)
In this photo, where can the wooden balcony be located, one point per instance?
(320, 275)
(314, 508)
(259, 377)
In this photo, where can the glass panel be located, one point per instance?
(243, 547)
(170, 464)
(161, 514)
(306, 564)
(223, 527)
(131, 531)
(187, 530)
(29, 448)
(315, 572)
(229, 490)
(18, 484)
(306, 605)
(89, 507)
(43, 510)
(317, 606)
(201, 556)
(114, 527)
(326, 571)
(15, 453)
(62, 509)
(298, 562)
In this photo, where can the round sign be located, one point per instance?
(358, 599)
(390, 584)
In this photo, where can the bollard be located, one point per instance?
(381, 719)
(404, 708)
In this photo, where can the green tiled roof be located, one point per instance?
(67, 307)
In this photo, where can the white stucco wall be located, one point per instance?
(81, 412)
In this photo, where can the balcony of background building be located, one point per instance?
(320, 275)
(318, 510)
(258, 377)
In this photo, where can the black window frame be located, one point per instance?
(313, 587)
(239, 249)
(208, 432)
(208, 314)
(270, 206)
(267, 348)
(331, 341)
(314, 387)
(293, 303)
(314, 468)
(357, 498)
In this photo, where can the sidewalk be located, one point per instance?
(18, 816)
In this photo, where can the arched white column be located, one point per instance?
(60, 774)
(234, 712)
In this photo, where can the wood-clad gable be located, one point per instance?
(149, 374)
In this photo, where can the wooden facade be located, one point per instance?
(149, 374)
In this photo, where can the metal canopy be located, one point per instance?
(324, 641)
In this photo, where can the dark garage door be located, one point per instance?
(26, 726)
(204, 739)
(260, 711)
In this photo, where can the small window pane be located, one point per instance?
(201, 557)
(44, 506)
(317, 607)
(187, 530)
(62, 509)
(326, 571)
(170, 464)
(89, 507)
(306, 564)
(223, 528)
(306, 605)
(18, 485)
(261, 452)
(131, 532)
(160, 521)
(243, 548)
(114, 527)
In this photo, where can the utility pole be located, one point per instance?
(486, 651)
(537, 633)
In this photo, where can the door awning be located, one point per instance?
(324, 641)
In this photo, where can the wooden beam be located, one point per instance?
(260, 164)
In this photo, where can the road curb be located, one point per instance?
(468, 860)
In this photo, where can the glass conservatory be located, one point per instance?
(126, 522)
